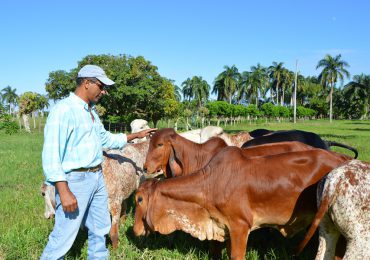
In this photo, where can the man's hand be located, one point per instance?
(141, 134)
(68, 200)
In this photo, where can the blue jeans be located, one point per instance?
(92, 212)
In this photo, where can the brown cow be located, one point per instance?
(176, 155)
(234, 195)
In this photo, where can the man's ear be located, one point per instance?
(86, 84)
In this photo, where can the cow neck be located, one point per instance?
(189, 154)
(186, 188)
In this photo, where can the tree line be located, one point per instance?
(141, 92)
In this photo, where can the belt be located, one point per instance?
(91, 169)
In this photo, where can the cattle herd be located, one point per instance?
(220, 187)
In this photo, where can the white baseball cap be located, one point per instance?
(93, 71)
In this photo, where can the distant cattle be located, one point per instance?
(237, 139)
(138, 125)
(202, 135)
(344, 196)
(296, 135)
(206, 133)
(260, 132)
(233, 195)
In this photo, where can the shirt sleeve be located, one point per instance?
(111, 141)
(57, 130)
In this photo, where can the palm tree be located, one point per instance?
(333, 68)
(177, 93)
(244, 86)
(286, 82)
(200, 89)
(187, 89)
(276, 72)
(10, 97)
(258, 81)
(27, 104)
(359, 89)
(196, 88)
(302, 85)
(42, 103)
(227, 83)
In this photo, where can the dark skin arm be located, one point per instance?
(140, 134)
(68, 200)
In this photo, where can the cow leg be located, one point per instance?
(115, 211)
(358, 240)
(238, 238)
(357, 248)
(328, 237)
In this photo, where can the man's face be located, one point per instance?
(95, 91)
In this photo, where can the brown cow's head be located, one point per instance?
(163, 209)
(142, 225)
(160, 155)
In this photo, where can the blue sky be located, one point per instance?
(182, 38)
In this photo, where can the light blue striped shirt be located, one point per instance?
(73, 140)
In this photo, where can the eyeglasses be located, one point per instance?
(100, 85)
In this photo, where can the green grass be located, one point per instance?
(24, 231)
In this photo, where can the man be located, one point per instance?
(72, 155)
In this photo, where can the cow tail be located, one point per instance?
(315, 223)
(333, 143)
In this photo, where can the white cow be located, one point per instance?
(138, 125)
(202, 135)
(206, 133)
(344, 196)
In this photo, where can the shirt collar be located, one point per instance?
(81, 102)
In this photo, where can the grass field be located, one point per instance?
(24, 231)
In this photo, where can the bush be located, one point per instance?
(269, 110)
(7, 124)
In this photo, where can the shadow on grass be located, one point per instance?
(337, 136)
(178, 240)
(267, 244)
(358, 123)
(360, 129)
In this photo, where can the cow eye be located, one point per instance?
(139, 200)
(159, 145)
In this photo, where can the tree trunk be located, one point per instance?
(26, 123)
(331, 103)
(34, 119)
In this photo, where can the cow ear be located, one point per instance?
(165, 225)
(173, 137)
